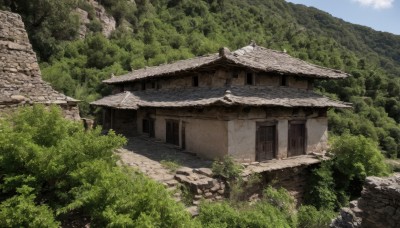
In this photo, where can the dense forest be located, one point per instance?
(153, 32)
(54, 173)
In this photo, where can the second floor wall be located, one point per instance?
(217, 78)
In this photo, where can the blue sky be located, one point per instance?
(381, 15)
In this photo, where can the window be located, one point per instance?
(249, 79)
(153, 85)
(283, 81)
(143, 85)
(195, 81)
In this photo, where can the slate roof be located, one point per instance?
(204, 96)
(252, 56)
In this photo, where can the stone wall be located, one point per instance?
(378, 206)
(20, 77)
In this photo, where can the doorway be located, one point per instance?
(296, 139)
(265, 142)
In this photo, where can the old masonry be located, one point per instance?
(21, 83)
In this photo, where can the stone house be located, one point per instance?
(20, 77)
(254, 104)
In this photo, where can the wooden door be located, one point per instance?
(265, 143)
(172, 132)
(151, 128)
(296, 139)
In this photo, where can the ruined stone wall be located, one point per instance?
(378, 206)
(20, 77)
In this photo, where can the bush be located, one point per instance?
(53, 171)
(224, 215)
(276, 209)
(310, 217)
(337, 181)
(281, 199)
(320, 190)
(22, 211)
(358, 157)
(227, 167)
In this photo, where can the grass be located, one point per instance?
(170, 165)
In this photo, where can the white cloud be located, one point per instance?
(376, 4)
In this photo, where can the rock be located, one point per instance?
(193, 210)
(184, 171)
(171, 182)
(215, 188)
(18, 97)
(208, 195)
(108, 23)
(182, 178)
(204, 171)
(197, 197)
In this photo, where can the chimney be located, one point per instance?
(224, 51)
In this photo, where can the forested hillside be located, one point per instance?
(152, 32)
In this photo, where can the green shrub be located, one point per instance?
(21, 210)
(261, 214)
(334, 183)
(310, 217)
(227, 167)
(280, 198)
(320, 190)
(69, 171)
(358, 157)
